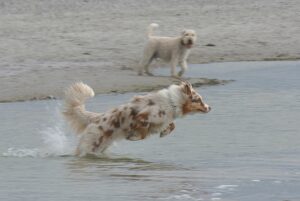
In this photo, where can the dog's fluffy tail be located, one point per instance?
(150, 29)
(74, 111)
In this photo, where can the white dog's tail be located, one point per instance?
(150, 29)
(74, 111)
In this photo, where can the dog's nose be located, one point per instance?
(208, 108)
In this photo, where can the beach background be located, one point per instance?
(48, 44)
(247, 148)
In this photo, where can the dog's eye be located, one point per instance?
(196, 100)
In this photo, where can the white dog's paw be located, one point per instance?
(175, 76)
(180, 73)
(150, 74)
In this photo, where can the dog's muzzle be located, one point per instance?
(188, 43)
(207, 108)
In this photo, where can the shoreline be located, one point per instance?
(106, 81)
(125, 81)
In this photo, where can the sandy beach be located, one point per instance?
(47, 45)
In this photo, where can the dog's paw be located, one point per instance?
(175, 76)
(134, 137)
(149, 74)
(164, 133)
(180, 73)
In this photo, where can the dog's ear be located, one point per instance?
(187, 87)
(183, 32)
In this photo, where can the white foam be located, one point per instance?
(227, 186)
(182, 197)
(216, 194)
(14, 152)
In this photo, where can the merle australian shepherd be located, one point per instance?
(141, 117)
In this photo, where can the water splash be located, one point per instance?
(55, 139)
(55, 142)
(15, 152)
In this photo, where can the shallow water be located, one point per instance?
(247, 148)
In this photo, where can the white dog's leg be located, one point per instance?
(145, 63)
(183, 66)
(147, 69)
(174, 63)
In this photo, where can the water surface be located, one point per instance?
(247, 148)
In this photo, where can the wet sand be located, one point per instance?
(50, 84)
(47, 45)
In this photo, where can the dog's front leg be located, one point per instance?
(174, 63)
(183, 66)
(168, 130)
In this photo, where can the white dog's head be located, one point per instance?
(188, 38)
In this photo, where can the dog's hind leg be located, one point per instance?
(94, 140)
(146, 61)
(103, 142)
(87, 140)
(145, 66)
(106, 142)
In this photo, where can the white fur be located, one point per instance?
(150, 29)
(75, 112)
(170, 49)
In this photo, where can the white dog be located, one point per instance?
(169, 49)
